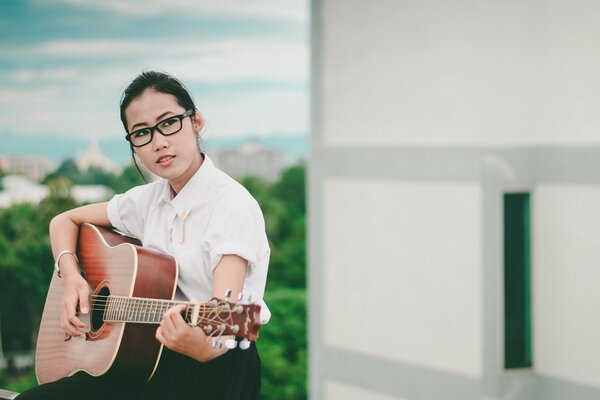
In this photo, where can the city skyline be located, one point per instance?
(65, 63)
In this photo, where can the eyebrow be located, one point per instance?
(159, 119)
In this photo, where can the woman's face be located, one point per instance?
(175, 157)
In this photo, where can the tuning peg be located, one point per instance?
(240, 296)
(227, 294)
(230, 344)
(251, 299)
(216, 344)
(244, 344)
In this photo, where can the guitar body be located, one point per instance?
(112, 264)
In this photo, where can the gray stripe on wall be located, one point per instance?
(577, 165)
(556, 389)
(397, 379)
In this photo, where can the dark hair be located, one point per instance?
(161, 82)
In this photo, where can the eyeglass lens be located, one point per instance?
(167, 127)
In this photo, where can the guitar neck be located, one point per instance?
(214, 317)
(144, 311)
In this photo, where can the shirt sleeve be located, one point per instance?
(238, 230)
(124, 212)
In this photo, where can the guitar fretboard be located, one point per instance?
(213, 316)
(144, 311)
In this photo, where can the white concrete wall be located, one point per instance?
(460, 73)
(566, 278)
(403, 271)
(341, 391)
(401, 261)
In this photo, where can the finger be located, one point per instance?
(175, 316)
(167, 327)
(84, 302)
(176, 310)
(69, 325)
(70, 328)
(74, 326)
(159, 336)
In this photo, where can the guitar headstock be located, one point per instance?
(221, 317)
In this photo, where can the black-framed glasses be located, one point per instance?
(166, 127)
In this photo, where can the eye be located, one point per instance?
(168, 122)
(140, 133)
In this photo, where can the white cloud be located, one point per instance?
(293, 10)
(216, 61)
(256, 113)
(26, 75)
(88, 106)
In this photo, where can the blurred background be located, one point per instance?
(454, 212)
(450, 164)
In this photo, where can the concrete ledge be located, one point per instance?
(7, 395)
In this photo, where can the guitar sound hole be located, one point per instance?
(98, 310)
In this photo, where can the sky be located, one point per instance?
(65, 63)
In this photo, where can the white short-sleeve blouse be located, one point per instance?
(211, 216)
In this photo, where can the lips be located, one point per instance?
(165, 160)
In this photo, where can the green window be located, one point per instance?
(517, 281)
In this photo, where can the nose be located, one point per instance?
(159, 141)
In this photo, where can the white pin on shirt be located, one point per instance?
(183, 217)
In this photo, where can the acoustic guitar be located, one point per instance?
(131, 288)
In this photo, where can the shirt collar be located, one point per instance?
(186, 198)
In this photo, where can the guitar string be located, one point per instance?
(101, 301)
(218, 309)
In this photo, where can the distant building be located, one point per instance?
(20, 189)
(91, 193)
(93, 157)
(252, 159)
(33, 167)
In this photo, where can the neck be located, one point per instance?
(178, 183)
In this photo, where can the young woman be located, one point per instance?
(196, 213)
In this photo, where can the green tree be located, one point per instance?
(282, 346)
(67, 169)
(97, 176)
(291, 189)
(129, 178)
(25, 268)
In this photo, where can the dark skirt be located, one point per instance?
(233, 376)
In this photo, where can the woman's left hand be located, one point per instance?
(178, 336)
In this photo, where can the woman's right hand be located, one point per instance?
(76, 291)
(64, 230)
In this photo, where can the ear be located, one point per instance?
(198, 122)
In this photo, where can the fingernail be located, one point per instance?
(84, 310)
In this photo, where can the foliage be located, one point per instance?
(129, 178)
(284, 206)
(67, 169)
(282, 346)
(18, 384)
(68, 174)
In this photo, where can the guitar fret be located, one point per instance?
(151, 313)
(107, 309)
(137, 316)
(157, 314)
(122, 309)
(147, 311)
